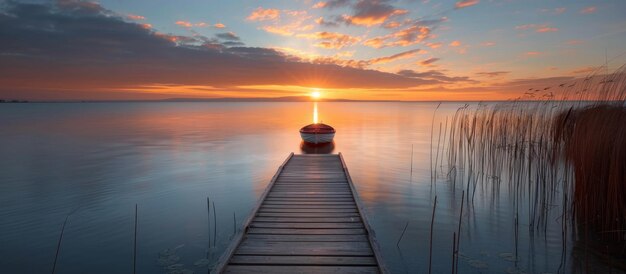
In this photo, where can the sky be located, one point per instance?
(352, 49)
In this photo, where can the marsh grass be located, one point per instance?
(569, 148)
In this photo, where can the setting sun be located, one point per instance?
(316, 94)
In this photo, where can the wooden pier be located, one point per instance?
(308, 220)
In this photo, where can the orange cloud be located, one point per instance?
(286, 22)
(219, 26)
(547, 29)
(371, 19)
(184, 24)
(533, 53)
(376, 42)
(261, 14)
(404, 37)
(434, 45)
(537, 28)
(488, 44)
(331, 40)
(401, 55)
(588, 10)
(135, 17)
(280, 30)
(392, 25)
(319, 5)
(584, 70)
(455, 43)
(466, 3)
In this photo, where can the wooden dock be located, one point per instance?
(308, 220)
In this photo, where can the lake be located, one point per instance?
(98, 160)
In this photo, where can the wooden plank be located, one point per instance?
(305, 199)
(311, 193)
(307, 203)
(307, 238)
(303, 260)
(304, 231)
(308, 220)
(248, 247)
(314, 213)
(256, 224)
(304, 211)
(289, 269)
(312, 206)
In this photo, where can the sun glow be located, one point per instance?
(316, 94)
(315, 113)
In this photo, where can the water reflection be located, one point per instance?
(307, 148)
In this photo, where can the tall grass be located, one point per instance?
(569, 145)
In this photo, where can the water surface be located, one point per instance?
(98, 160)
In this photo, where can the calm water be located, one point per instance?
(100, 159)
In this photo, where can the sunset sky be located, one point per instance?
(353, 49)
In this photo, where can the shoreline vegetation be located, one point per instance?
(570, 151)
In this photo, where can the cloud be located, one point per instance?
(372, 12)
(332, 4)
(331, 40)
(428, 62)
(533, 53)
(219, 26)
(187, 24)
(261, 14)
(465, 3)
(404, 37)
(493, 74)
(488, 44)
(547, 29)
(105, 52)
(588, 10)
(290, 23)
(184, 24)
(455, 43)
(135, 17)
(585, 70)
(230, 36)
(537, 28)
(434, 75)
(434, 45)
(401, 55)
(392, 25)
(322, 22)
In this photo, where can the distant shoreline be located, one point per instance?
(294, 99)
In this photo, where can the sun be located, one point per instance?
(316, 94)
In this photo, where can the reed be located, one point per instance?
(567, 147)
(402, 235)
(214, 226)
(432, 224)
(135, 244)
(208, 209)
(56, 255)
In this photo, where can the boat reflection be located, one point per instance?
(308, 148)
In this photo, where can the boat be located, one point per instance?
(317, 133)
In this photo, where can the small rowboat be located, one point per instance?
(317, 133)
